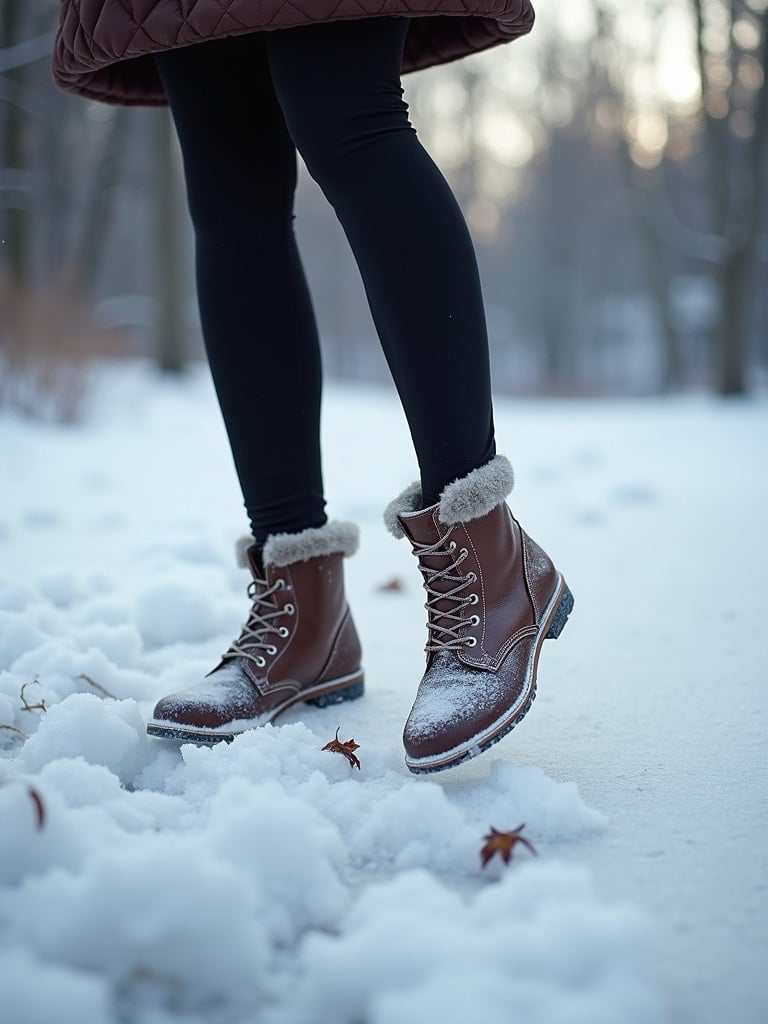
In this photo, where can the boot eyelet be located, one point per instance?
(280, 584)
(473, 598)
(475, 620)
(471, 641)
(271, 649)
(283, 631)
(289, 609)
(471, 578)
(463, 553)
(260, 662)
(452, 546)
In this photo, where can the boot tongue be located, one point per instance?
(254, 562)
(420, 527)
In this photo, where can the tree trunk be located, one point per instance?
(733, 330)
(89, 251)
(16, 250)
(170, 348)
(647, 213)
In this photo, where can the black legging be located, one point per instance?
(242, 107)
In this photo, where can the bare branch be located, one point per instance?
(25, 705)
(12, 728)
(97, 686)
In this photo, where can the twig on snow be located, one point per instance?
(25, 705)
(97, 686)
(12, 728)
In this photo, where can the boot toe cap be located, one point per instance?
(180, 709)
(223, 697)
(456, 706)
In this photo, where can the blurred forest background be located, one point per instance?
(613, 168)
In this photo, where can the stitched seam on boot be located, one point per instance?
(494, 664)
(335, 648)
(521, 634)
(528, 586)
(257, 683)
(284, 684)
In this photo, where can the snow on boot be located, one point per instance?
(493, 597)
(298, 645)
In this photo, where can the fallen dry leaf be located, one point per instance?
(392, 585)
(504, 843)
(347, 749)
(36, 799)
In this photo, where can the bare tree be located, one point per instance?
(735, 121)
(15, 184)
(170, 348)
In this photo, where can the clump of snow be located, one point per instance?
(67, 588)
(121, 644)
(17, 635)
(14, 595)
(109, 733)
(79, 783)
(231, 877)
(290, 851)
(147, 911)
(267, 880)
(532, 947)
(239, 881)
(169, 612)
(7, 707)
(36, 992)
(28, 848)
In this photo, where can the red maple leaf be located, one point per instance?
(347, 749)
(504, 844)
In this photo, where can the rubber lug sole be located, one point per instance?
(338, 696)
(564, 609)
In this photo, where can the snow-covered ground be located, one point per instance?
(269, 881)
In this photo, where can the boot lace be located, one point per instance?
(445, 635)
(255, 635)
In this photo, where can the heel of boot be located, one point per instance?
(564, 609)
(351, 692)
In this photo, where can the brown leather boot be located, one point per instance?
(493, 597)
(298, 645)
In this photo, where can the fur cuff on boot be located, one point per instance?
(470, 497)
(336, 537)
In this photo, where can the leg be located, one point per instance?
(256, 312)
(339, 88)
(493, 595)
(299, 643)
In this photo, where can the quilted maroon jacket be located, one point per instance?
(103, 47)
